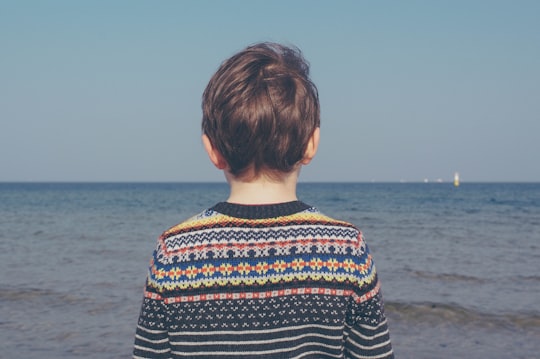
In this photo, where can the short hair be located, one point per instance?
(260, 109)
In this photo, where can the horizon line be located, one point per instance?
(225, 182)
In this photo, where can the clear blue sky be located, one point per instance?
(110, 90)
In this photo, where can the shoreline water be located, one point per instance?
(458, 265)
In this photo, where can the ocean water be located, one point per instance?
(460, 267)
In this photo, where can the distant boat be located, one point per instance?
(456, 179)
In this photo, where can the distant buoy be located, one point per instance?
(456, 179)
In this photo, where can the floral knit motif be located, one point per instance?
(235, 282)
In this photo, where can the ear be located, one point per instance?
(215, 157)
(312, 146)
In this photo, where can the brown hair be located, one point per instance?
(260, 109)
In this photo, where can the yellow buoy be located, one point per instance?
(456, 179)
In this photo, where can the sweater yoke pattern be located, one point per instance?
(238, 258)
(234, 282)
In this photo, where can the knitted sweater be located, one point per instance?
(268, 281)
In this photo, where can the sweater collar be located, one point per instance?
(260, 211)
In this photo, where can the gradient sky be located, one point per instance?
(111, 90)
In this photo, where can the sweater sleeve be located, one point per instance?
(366, 329)
(151, 336)
(367, 334)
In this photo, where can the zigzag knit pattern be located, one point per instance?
(274, 281)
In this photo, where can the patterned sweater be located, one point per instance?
(268, 281)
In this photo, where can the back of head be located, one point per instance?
(260, 109)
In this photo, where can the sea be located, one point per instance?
(459, 266)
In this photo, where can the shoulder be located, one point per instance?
(348, 232)
(202, 220)
(193, 226)
(324, 226)
(322, 219)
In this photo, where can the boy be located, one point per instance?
(262, 275)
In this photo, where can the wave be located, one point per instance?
(516, 203)
(32, 294)
(448, 277)
(529, 278)
(454, 277)
(23, 293)
(452, 314)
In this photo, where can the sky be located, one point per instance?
(409, 90)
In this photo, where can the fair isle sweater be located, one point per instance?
(262, 281)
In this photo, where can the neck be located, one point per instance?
(263, 190)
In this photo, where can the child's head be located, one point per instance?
(260, 110)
